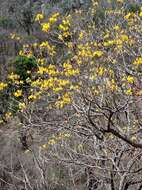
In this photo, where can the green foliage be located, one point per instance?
(23, 64)
(99, 15)
(6, 23)
(134, 7)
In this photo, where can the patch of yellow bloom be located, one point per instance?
(53, 18)
(67, 66)
(44, 44)
(14, 36)
(42, 70)
(81, 34)
(13, 76)
(51, 49)
(34, 96)
(64, 27)
(101, 71)
(129, 91)
(133, 138)
(138, 61)
(39, 17)
(129, 15)
(130, 79)
(116, 27)
(2, 85)
(140, 14)
(22, 106)
(97, 53)
(64, 100)
(18, 93)
(113, 85)
(41, 61)
(55, 139)
(109, 43)
(8, 114)
(45, 27)
(72, 72)
(27, 53)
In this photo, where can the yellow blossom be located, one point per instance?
(101, 71)
(81, 35)
(2, 85)
(128, 91)
(130, 79)
(45, 27)
(44, 146)
(116, 27)
(18, 93)
(140, 14)
(39, 17)
(129, 15)
(22, 106)
(133, 138)
(138, 61)
(44, 44)
(8, 114)
(51, 142)
(97, 53)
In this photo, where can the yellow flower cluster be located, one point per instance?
(47, 25)
(22, 106)
(89, 56)
(128, 91)
(64, 27)
(15, 79)
(128, 16)
(64, 100)
(41, 61)
(50, 70)
(14, 36)
(26, 53)
(8, 114)
(71, 72)
(51, 48)
(97, 53)
(34, 96)
(39, 17)
(55, 139)
(101, 71)
(53, 18)
(18, 93)
(130, 79)
(112, 85)
(2, 86)
(138, 61)
(121, 38)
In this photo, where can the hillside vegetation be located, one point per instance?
(71, 95)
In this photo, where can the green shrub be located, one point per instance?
(23, 64)
(134, 7)
(6, 23)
